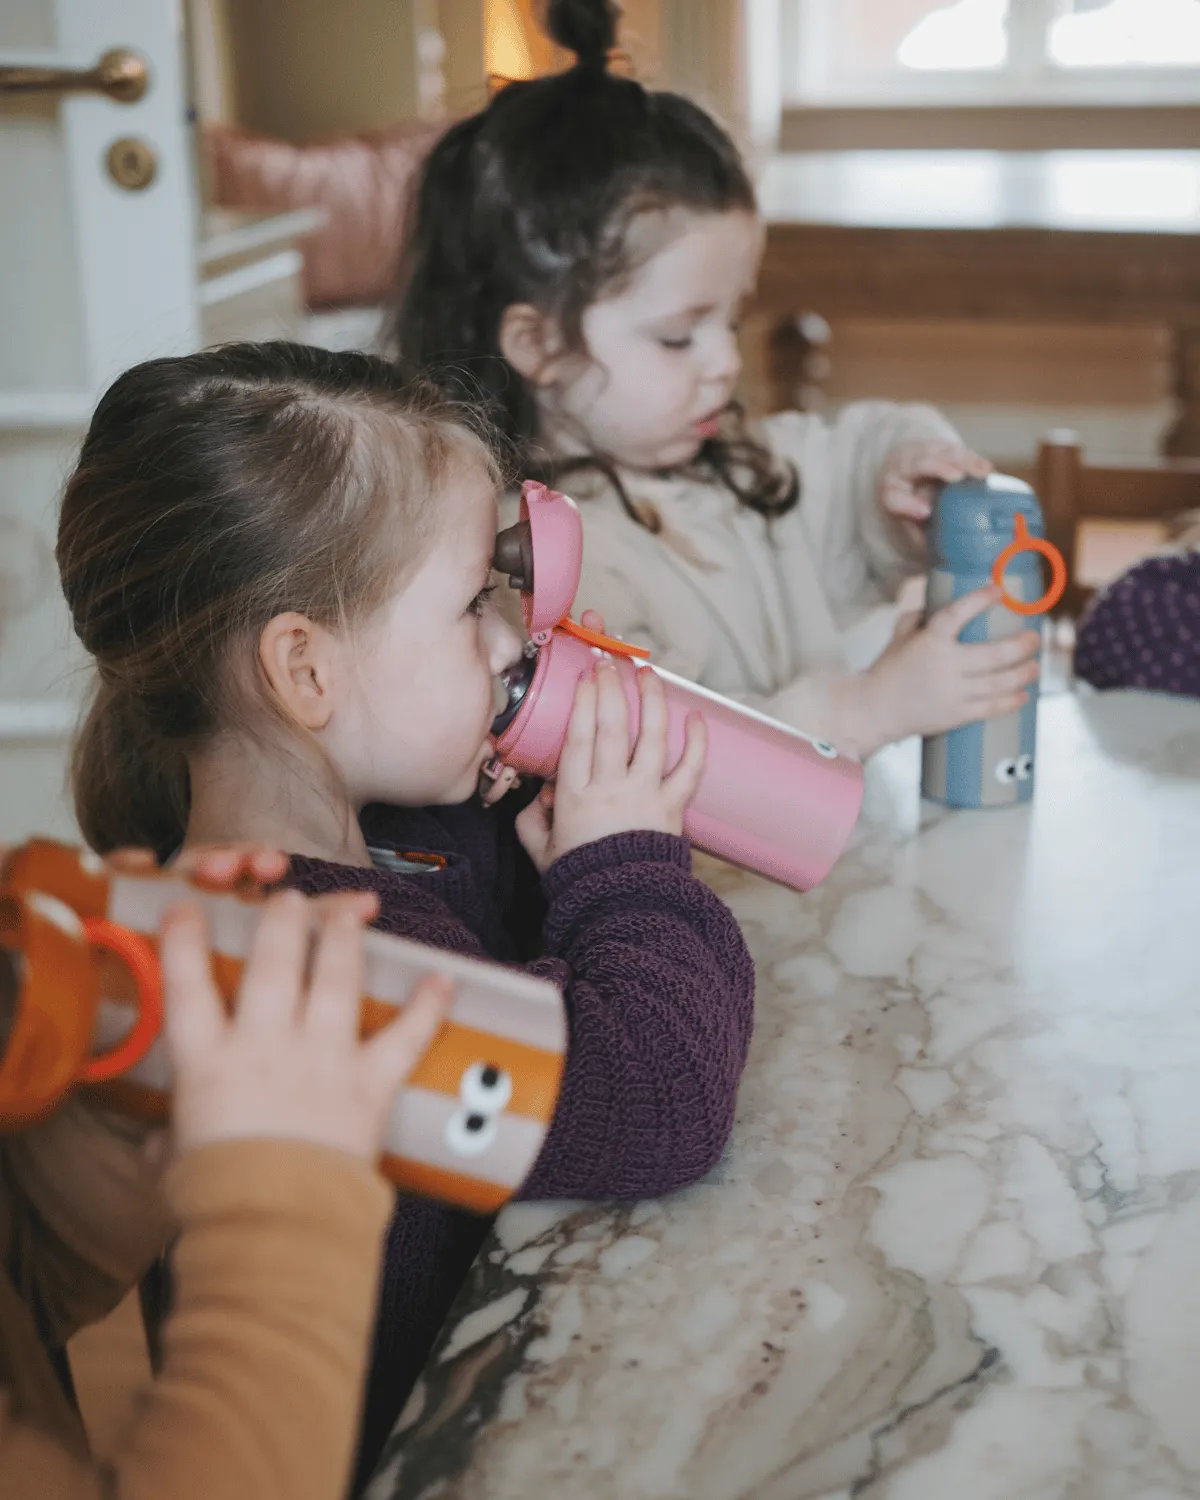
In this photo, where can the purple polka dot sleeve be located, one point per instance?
(1143, 630)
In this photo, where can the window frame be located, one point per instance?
(1027, 78)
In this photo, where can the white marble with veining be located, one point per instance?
(953, 1252)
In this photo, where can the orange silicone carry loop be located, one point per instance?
(1023, 542)
(604, 642)
(139, 957)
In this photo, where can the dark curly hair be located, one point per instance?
(531, 200)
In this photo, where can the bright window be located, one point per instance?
(991, 51)
(970, 34)
(1127, 33)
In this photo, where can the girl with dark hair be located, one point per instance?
(279, 559)
(578, 254)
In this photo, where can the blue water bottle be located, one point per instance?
(984, 531)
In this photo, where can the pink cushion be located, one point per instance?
(363, 182)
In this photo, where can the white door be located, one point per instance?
(97, 271)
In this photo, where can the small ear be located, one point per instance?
(296, 658)
(530, 342)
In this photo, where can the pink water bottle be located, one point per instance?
(772, 800)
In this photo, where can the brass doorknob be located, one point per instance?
(121, 74)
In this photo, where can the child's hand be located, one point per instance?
(288, 1064)
(914, 472)
(927, 681)
(218, 867)
(600, 790)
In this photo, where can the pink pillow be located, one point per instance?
(363, 182)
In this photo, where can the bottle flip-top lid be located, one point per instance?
(542, 554)
(974, 519)
(992, 525)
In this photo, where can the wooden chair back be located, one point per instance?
(1073, 492)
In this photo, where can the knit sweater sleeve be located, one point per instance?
(1143, 630)
(660, 993)
(863, 553)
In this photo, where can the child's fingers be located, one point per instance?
(500, 788)
(650, 752)
(611, 757)
(132, 861)
(980, 658)
(966, 458)
(336, 975)
(268, 865)
(938, 459)
(222, 866)
(900, 499)
(906, 626)
(684, 781)
(194, 1017)
(209, 866)
(575, 762)
(534, 826)
(592, 619)
(941, 468)
(995, 707)
(364, 905)
(393, 1053)
(273, 979)
(1004, 684)
(950, 621)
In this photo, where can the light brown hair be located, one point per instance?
(213, 492)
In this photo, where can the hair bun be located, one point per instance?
(588, 28)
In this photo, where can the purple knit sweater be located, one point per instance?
(659, 990)
(1143, 630)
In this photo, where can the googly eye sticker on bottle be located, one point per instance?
(485, 1091)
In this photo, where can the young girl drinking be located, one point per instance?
(577, 258)
(279, 558)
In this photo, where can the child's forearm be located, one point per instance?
(660, 996)
(265, 1353)
(857, 724)
(840, 708)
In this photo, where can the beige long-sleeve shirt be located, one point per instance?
(766, 614)
(264, 1356)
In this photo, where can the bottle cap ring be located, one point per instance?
(607, 643)
(1023, 542)
(139, 958)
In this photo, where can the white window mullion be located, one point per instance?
(810, 30)
(1028, 31)
(816, 71)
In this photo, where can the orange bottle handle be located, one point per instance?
(604, 642)
(1023, 542)
(140, 959)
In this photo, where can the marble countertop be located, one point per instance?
(953, 1252)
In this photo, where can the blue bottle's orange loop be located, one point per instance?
(1023, 542)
